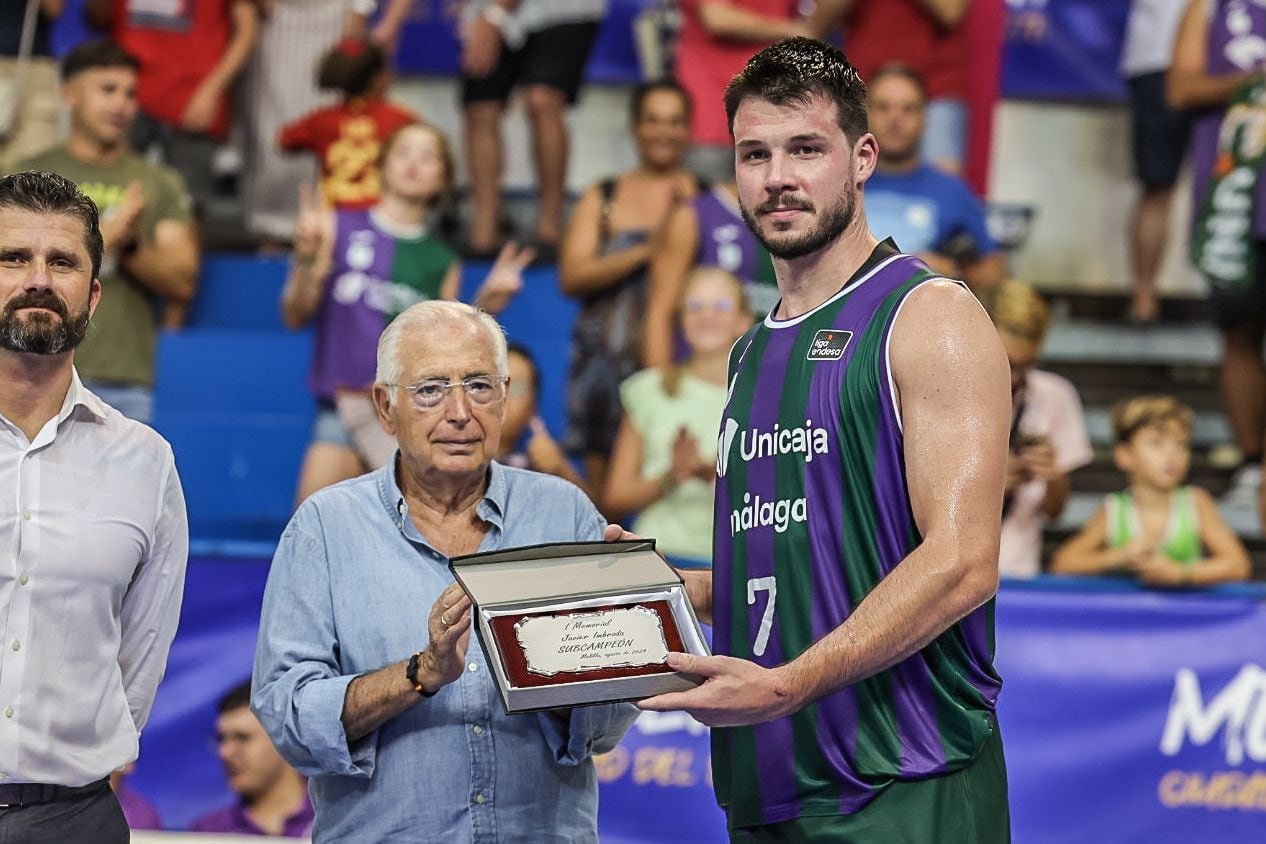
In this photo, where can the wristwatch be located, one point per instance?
(411, 674)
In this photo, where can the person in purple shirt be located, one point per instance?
(137, 811)
(272, 797)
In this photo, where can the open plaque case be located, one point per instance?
(578, 623)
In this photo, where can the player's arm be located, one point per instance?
(669, 266)
(1227, 558)
(955, 401)
(1188, 83)
(953, 382)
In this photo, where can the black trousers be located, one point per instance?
(91, 818)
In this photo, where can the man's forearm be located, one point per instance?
(374, 699)
(924, 595)
(948, 13)
(238, 51)
(170, 273)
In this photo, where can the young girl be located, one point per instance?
(347, 137)
(664, 461)
(1159, 530)
(353, 272)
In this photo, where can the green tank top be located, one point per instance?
(1181, 542)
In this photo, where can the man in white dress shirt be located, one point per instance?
(93, 533)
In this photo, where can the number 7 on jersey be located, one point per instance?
(763, 584)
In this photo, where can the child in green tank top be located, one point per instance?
(1158, 530)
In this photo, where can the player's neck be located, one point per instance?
(808, 281)
(89, 151)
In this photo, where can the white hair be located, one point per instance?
(428, 316)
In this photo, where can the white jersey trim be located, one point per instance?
(770, 322)
(892, 383)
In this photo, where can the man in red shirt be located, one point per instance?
(927, 36)
(717, 38)
(190, 52)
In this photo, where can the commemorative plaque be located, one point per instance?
(578, 623)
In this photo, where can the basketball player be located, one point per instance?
(859, 493)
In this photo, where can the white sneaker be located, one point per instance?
(1245, 485)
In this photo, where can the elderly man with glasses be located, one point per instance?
(365, 673)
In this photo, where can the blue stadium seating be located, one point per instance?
(232, 398)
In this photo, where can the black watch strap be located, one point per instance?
(411, 674)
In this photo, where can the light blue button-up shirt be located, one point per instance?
(349, 592)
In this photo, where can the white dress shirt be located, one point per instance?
(95, 544)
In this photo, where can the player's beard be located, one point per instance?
(830, 225)
(40, 333)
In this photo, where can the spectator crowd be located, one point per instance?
(289, 106)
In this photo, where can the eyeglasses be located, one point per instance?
(481, 390)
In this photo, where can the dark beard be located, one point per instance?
(830, 226)
(38, 333)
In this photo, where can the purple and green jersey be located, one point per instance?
(374, 276)
(812, 511)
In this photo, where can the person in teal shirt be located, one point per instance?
(1159, 529)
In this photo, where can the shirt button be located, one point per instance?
(17, 646)
(479, 798)
(8, 712)
(24, 579)
(477, 730)
(26, 515)
(474, 666)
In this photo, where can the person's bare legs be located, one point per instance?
(547, 108)
(1149, 229)
(485, 162)
(326, 464)
(1244, 386)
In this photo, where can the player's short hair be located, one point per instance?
(793, 72)
(49, 193)
(901, 70)
(1019, 310)
(1133, 415)
(93, 55)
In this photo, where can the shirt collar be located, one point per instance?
(80, 396)
(491, 508)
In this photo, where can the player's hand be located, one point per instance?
(481, 47)
(735, 693)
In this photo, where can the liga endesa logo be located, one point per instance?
(1237, 715)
